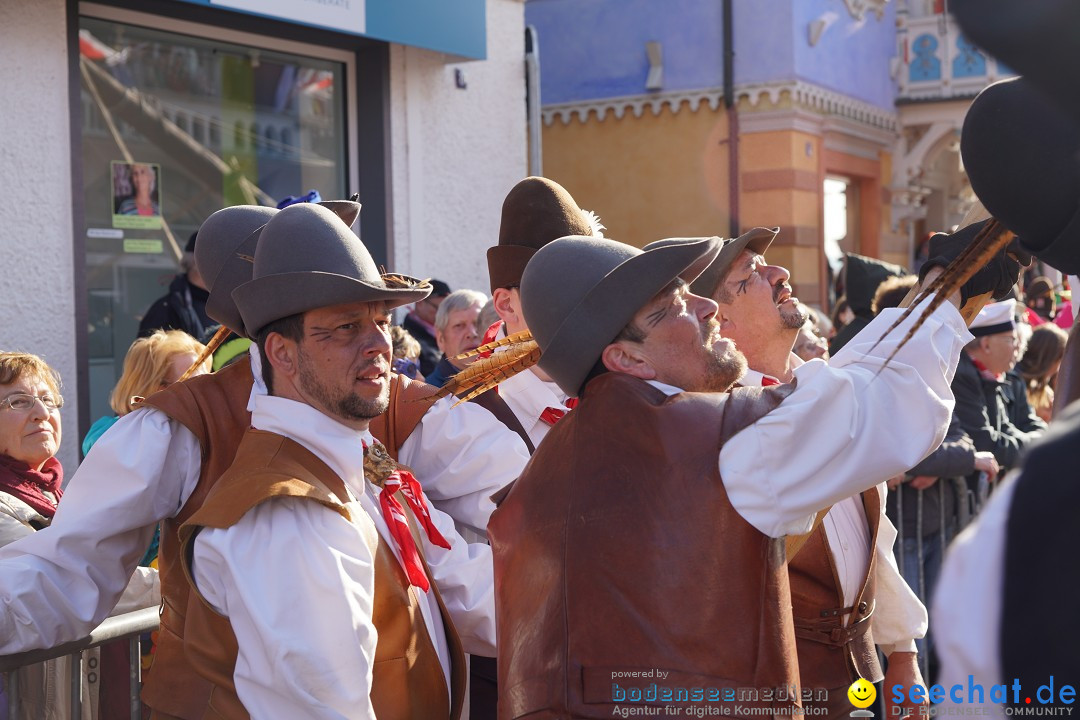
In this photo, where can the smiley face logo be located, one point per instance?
(861, 693)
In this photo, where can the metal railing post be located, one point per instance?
(135, 654)
(76, 685)
(11, 687)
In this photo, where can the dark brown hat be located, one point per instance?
(332, 268)
(758, 240)
(535, 212)
(578, 293)
(225, 252)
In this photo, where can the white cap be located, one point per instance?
(995, 318)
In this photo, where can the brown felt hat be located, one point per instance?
(758, 240)
(225, 252)
(308, 258)
(578, 293)
(535, 212)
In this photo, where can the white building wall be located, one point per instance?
(37, 297)
(455, 153)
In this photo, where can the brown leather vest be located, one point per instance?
(407, 679)
(214, 408)
(618, 552)
(832, 655)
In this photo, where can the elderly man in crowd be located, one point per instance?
(420, 322)
(158, 463)
(985, 398)
(638, 537)
(846, 590)
(455, 332)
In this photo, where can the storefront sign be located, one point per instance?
(457, 27)
(345, 15)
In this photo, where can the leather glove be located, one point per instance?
(997, 277)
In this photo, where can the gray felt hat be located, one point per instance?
(308, 258)
(578, 293)
(757, 240)
(225, 252)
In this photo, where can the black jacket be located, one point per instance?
(183, 308)
(983, 408)
(430, 354)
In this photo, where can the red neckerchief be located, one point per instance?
(986, 374)
(489, 337)
(553, 415)
(20, 480)
(394, 514)
(767, 381)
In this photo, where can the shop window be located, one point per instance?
(144, 195)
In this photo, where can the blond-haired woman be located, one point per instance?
(151, 364)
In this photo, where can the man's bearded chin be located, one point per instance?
(723, 367)
(794, 316)
(349, 406)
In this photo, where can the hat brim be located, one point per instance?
(266, 299)
(506, 263)
(756, 240)
(612, 303)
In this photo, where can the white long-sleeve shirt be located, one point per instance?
(58, 584)
(296, 581)
(899, 616)
(528, 396)
(848, 425)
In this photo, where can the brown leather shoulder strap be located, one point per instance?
(409, 401)
(746, 405)
(495, 405)
(181, 401)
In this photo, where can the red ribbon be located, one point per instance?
(396, 520)
(552, 415)
(489, 337)
(767, 381)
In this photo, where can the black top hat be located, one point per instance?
(1022, 155)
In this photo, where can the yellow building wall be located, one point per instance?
(648, 177)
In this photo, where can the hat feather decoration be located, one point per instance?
(593, 221)
(519, 353)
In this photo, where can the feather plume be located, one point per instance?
(518, 337)
(488, 372)
(595, 225)
(393, 281)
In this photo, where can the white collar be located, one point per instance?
(340, 447)
(668, 390)
(753, 378)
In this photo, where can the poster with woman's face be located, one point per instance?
(136, 195)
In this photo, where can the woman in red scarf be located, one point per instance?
(30, 476)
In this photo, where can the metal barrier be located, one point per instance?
(966, 508)
(118, 627)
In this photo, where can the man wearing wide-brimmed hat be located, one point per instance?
(315, 543)
(848, 597)
(535, 212)
(158, 463)
(639, 558)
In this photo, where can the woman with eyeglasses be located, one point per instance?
(30, 489)
(30, 475)
(30, 479)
